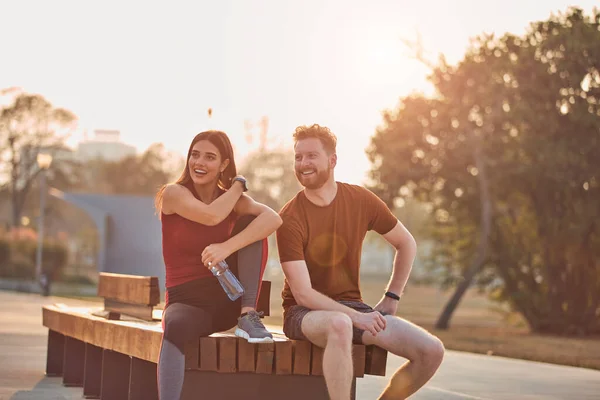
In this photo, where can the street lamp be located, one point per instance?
(43, 161)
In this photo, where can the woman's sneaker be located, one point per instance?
(251, 328)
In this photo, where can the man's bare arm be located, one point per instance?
(406, 250)
(296, 273)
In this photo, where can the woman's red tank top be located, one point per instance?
(183, 242)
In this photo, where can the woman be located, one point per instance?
(206, 218)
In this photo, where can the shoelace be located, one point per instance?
(255, 318)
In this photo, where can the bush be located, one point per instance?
(4, 251)
(54, 258)
(20, 261)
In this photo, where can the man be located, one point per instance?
(319, 245)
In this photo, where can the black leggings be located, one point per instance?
(201, 307)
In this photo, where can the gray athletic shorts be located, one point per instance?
(293, 316)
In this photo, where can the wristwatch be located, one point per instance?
(243, 180)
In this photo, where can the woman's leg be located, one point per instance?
(181, 323)
(250, 263)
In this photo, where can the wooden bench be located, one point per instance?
(112, 352)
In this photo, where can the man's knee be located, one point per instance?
(431, 352)
(339, 328)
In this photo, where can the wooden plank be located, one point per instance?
(55, 353)
(375, 361)
(246, 356)
(283, 356)
(316, 367)
(358, 359)
(114, 307)
(129, 288)
(142, 380)
(265, 354)
(264, 298)
(116, 368)
(302, 355)
(138, 339)
(208, 354)
(73, 362)
(227, 354)
(92, 374)
(192, 354)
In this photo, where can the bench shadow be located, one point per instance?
(50, 388)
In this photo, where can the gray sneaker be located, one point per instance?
(252, 329)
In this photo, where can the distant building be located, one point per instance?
(105, 145)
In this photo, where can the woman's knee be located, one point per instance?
(183, 322)
(241, 223)
(339, 328)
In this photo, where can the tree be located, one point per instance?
(506, 155)
(134, 175)
(271, 177)
(27, 126)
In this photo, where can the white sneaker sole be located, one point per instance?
(243, 334)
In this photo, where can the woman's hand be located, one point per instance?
(216, 252)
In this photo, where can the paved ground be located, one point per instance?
(461, 376)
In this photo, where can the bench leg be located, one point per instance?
(55, 353)
(73, 362)
(92, 372)
(115, 376)
(142, 380)
(253, 386)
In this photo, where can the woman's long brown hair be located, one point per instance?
(223, 144)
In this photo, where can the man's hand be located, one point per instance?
(215, 253)
(387, 306)
(372, 322)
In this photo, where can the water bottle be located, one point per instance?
(228, 281)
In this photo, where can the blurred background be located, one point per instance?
(477, 122)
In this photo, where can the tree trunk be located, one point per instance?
(482, 247)
(14, 191)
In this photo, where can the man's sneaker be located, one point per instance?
(252, 329)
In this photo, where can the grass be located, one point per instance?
(477, 326)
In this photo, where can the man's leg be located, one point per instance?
(332, 331)
(423, 351)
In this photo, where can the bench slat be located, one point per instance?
(375, 361)
(246, 359)
(140, 311)
(129, 288)
(302, 355)
(283, 357)
(265, 355)
(208, 354)
(227, 354)
(192, 353)
(358, 360)
(316, 367)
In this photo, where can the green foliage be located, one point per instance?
(29, 125)
(271, 178)
(54, 258)
(133, 175)
(4, 251)
(530, 105)
(21, 263)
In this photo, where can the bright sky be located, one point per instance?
(151, 69)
